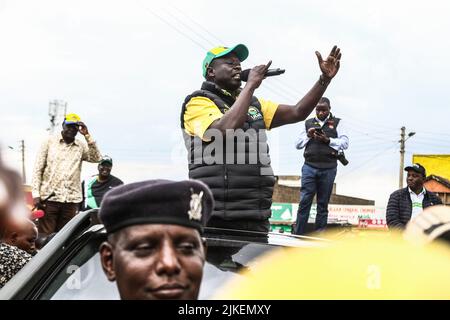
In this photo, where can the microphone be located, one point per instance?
(269, 73)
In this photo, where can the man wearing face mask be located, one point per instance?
(57, 171)
(322, 137)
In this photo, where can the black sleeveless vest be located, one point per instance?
(235, 167)
(318, 154)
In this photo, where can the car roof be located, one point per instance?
(40, 268)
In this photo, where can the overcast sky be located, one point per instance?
(126, 66)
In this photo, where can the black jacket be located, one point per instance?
(399, 208)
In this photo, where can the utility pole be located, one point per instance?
(22, 149)
(402, 153)
(402, 156)
(56, 110)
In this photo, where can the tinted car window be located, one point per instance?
(79, 274)
(82, 277)
(86, 282)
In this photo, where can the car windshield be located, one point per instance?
(81, 276)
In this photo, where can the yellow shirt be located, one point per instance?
(201, 112)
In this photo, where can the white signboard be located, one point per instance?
(336, 213)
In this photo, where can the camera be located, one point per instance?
(341, 157)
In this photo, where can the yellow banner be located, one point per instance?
(437, 164)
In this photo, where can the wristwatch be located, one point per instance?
(323, 81)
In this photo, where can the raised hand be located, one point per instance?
(83, 128)
(330, 66)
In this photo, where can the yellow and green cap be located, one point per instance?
(217, 52)
(72, 118)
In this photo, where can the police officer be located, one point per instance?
(154, 248)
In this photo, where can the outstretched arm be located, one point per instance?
(91, 153)
(286, 114)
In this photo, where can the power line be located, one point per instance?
(361, 121)
(366, 142)
(428, 140)
(367, 125)
(172, 26)
(435, 133)
(196, 23)
(368, 161)
(191, 29)
(273, 86)
(284, 91)
(265, 85)
(371, 136)
(423, 142)
(278, 87)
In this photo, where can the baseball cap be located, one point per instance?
(217, 52)
(106, 159)
(72, 118)
(417, 167)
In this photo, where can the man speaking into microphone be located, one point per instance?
(224, 132)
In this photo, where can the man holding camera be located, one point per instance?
(56, 184)
(324, 139)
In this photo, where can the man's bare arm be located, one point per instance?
(287, 114)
